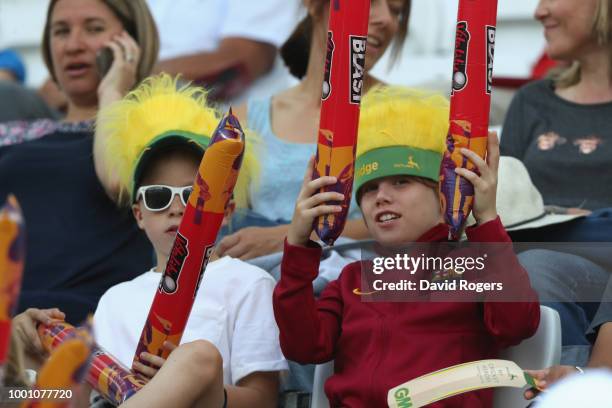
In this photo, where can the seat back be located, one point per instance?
(541, 350)
(322, 373)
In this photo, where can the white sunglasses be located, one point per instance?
(159, 197)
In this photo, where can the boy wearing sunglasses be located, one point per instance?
(155, 140)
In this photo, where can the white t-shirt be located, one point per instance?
(192, 26)
(232, 310)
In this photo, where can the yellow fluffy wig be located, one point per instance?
(402, 117)
(160, 106)
(401, 132)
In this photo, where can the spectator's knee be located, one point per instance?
(538, 257)
(543, 265)
(553, 274)
(203, 361)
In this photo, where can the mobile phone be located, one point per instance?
(104, 60)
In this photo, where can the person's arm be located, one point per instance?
(512, 321)
(249, 57)
(309, 329)
(513, 313)
(601, 355)
(249, 34)
(259, 389)
(252, 242)
(120, 78)
(256, 358)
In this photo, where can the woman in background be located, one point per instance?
(78, 243)
(560, 128)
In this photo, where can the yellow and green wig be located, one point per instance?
(159, 115)
(401, 132)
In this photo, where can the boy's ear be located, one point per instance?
(137, 211)
(229, 210)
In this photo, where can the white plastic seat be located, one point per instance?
(541, 350)
(322, 373)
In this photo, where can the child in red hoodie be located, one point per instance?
(379, 345)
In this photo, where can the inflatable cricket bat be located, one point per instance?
(105, 373)
(341, 98)
(63, 372)
(469, 106)
(12, 256)
(195, 239)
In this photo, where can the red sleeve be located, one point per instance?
(518, 318)
(492, 231)
(308, 328)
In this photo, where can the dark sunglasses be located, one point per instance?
(159, 197)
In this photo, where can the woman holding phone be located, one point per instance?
(78, 243)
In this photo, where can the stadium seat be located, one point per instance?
(322, 373)
(541, 350)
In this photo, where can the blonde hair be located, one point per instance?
(398, 116)
(136, 20)
(602, 32)
(159, 106)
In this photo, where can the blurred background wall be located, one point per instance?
(427, 57)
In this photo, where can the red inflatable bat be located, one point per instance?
(105, 373)
(12, 256)
(342, 86)
(469, 106)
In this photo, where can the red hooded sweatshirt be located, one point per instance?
(379, 345)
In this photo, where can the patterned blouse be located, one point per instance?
(13, 133)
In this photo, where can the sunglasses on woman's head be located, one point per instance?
(159, 197)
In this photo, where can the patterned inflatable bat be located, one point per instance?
(341, 98)
(469, 106)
